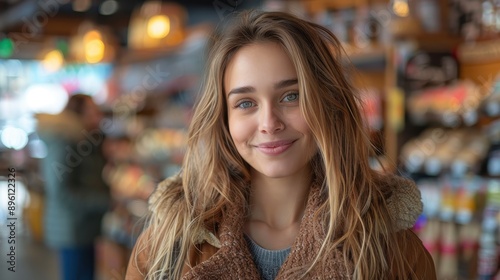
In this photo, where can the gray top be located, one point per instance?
(267, 261)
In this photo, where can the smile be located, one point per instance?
(275, 148)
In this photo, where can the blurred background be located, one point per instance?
(428, 72)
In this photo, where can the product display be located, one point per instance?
(491, 104)
(449, 105)
(446, 151)
(460, 226)
(372, 108)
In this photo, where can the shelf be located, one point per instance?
(372, 59)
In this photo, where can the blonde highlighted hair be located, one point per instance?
(214, 175)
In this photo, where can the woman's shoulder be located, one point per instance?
(168, 194)
(416, 255)
(403, 200)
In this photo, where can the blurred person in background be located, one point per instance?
(76, 196)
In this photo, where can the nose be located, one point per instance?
(270, 120)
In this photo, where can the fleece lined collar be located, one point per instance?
(233, 260)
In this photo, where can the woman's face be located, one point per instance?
(264, 116)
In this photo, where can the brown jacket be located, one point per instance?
(227, 256)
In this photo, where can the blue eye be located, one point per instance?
(245, 105)
(291, 97)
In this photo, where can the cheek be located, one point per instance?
(238, 129)
(304, 129)
(301, 125)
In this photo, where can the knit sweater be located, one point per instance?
(227, 255)
(267, 261)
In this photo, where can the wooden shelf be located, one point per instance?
(372, 58)
(480, 62)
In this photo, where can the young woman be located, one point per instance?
(276, 182)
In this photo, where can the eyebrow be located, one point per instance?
(278, 85)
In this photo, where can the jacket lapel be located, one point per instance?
(234, 260)
(307, 245)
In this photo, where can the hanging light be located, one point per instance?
(93, 46)
(157, 24)
(401, 8)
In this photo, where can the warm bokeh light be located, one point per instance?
(93, 46)
(53, 60)
(400, 8)
(94, 51)
(92, 35)
(158, 26)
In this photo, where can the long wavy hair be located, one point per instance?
(214, 175)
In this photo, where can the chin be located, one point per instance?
(276, 173)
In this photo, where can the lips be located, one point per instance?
(275, 148)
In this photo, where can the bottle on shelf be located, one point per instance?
(448, 263)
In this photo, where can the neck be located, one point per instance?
(279, 202)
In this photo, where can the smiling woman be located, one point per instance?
(264, 117)
(276, 182)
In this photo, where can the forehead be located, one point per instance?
(257, 64)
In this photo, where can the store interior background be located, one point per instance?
(428, 72)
